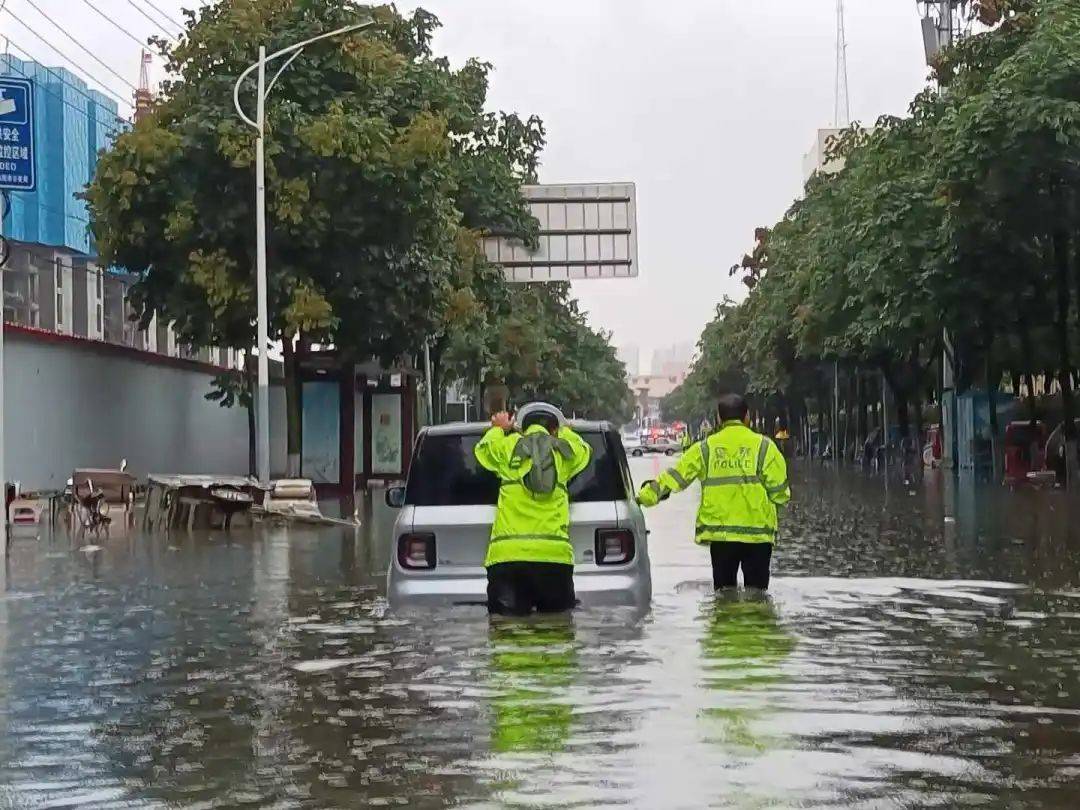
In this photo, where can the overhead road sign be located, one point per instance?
(586, 231)
(17, 163)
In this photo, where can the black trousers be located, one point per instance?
(519, 588)
(754, 558)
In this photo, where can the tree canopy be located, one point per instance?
(383, 168)
(956, 219)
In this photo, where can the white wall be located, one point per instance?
(814, 160)
(77, 404)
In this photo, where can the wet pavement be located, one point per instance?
(921, 647)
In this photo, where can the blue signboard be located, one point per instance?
(17, 135)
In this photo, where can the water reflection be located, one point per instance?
(533, 665)
(743, 650)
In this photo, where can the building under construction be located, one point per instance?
(86, 386)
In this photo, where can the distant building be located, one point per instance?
(71, 124)
(674, 360)
(815, 160)
(650, 390)
(52, 280)
(631, 358)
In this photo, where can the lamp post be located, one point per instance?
(262, 410)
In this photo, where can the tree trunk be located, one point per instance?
(843, 417)
(915, 396)
(954, 437)
(1033, 408)
(1061, 265)
(916, 407)
(248, 387)
(873, 404)
(252, 454)
(993, 380)
(851, 429)
(861, 421)
(824, 402)
(438, 398)
(903, 418)
(292, 410)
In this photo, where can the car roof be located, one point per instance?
(477, 428)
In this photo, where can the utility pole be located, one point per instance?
(262, 400)
(842, 107)
(942, 26)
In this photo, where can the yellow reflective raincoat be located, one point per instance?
(743, 479)
(530, 527)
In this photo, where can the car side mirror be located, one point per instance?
(395, 497)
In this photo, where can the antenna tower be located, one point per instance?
(842, 109)
(944, 23)
(143, 96)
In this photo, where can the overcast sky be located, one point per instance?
(707, 105)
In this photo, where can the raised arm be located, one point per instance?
(582, 452)
(690, 468)
(495, 450)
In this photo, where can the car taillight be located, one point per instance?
(416, 551)
(614, 546)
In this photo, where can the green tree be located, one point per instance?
(959, 216)
(382, 165)
(544, 349)
(499, 158)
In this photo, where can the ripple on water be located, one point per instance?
(274, 674)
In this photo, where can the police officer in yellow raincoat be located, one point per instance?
(530, 560)
(743, 479)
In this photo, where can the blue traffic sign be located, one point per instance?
(17, 171)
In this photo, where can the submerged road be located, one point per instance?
(921, 647)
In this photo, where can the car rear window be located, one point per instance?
(445, 472)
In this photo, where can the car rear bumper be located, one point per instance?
(626, 587)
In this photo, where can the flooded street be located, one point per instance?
(921, 647)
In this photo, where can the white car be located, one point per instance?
(667, 447)
(448, 505)
(633, 445)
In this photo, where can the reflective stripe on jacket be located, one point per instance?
(530, 527)
(743, 479)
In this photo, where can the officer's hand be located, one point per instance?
(502, 420)
(654, 498)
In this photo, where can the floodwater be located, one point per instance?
(921, 648)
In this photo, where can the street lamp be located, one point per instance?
(262, 447)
